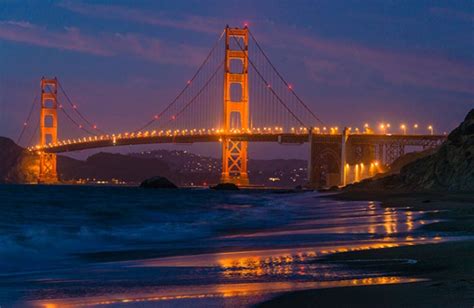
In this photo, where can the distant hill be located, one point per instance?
(450, 168)
(181, 167)
(107, 166)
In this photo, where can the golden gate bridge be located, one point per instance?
(236, 96)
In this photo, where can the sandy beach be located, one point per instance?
(447, 267)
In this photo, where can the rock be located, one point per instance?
(225, 186)
(17, 165)
(158, 182)
(451, 168)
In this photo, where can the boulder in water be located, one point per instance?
(225, 186)
(157, 182)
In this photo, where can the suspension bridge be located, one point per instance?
(236, 96)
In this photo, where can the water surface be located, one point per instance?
(122, 246)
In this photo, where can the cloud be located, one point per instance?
(346, 63)
(195, 23)
(102, 44)
(452, 13)
(69, 39)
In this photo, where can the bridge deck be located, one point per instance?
(119, 140)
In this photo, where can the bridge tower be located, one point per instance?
(236, 109)
(48, 129)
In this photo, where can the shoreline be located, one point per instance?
(448, 267)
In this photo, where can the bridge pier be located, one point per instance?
(234, 152)
(324, 161)
(48, 130)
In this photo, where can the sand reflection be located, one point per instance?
(217, 291)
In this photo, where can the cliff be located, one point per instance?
(16, 164)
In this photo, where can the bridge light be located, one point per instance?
(290, 86)
(95, 126)
(189, 81)
(403, 127)
(80, 126)
(156, 117)
(173, 117)
(430, 128)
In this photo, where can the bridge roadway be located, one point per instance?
(284, 138)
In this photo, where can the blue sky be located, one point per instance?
(352, 61)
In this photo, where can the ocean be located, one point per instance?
(124, 246)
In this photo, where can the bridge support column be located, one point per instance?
(324, 162)
(311, 174)
(234, 152)
(343, 156)
(48, 130)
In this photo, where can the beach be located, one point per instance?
(448, 268)
(69, 246)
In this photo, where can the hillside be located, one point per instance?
(181, 167)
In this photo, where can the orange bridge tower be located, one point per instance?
(48, 130)
(236, 105)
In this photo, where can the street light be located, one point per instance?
(382, 128)
(430, 128)
(404, 128)
(415, 127)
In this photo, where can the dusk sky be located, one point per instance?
(351, 61)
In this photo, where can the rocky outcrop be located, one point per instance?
(158, 182)
(450, 168)
(16, 164)
(225, 186)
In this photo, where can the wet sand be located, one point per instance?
(448, 266)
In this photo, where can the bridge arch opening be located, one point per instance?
(48, 138)
(49, 103)
(236, 66)
(236, 92)
(235, 120)
(48, 121)
(236, 43)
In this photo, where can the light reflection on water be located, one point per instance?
(222, 291)
(248, 263)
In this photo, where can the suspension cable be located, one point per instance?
(174, 117)
(34, 134)
(60, 106)
(25, 124)
(74, 107)
(267, 84)
(283, 79)
(188, 84)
